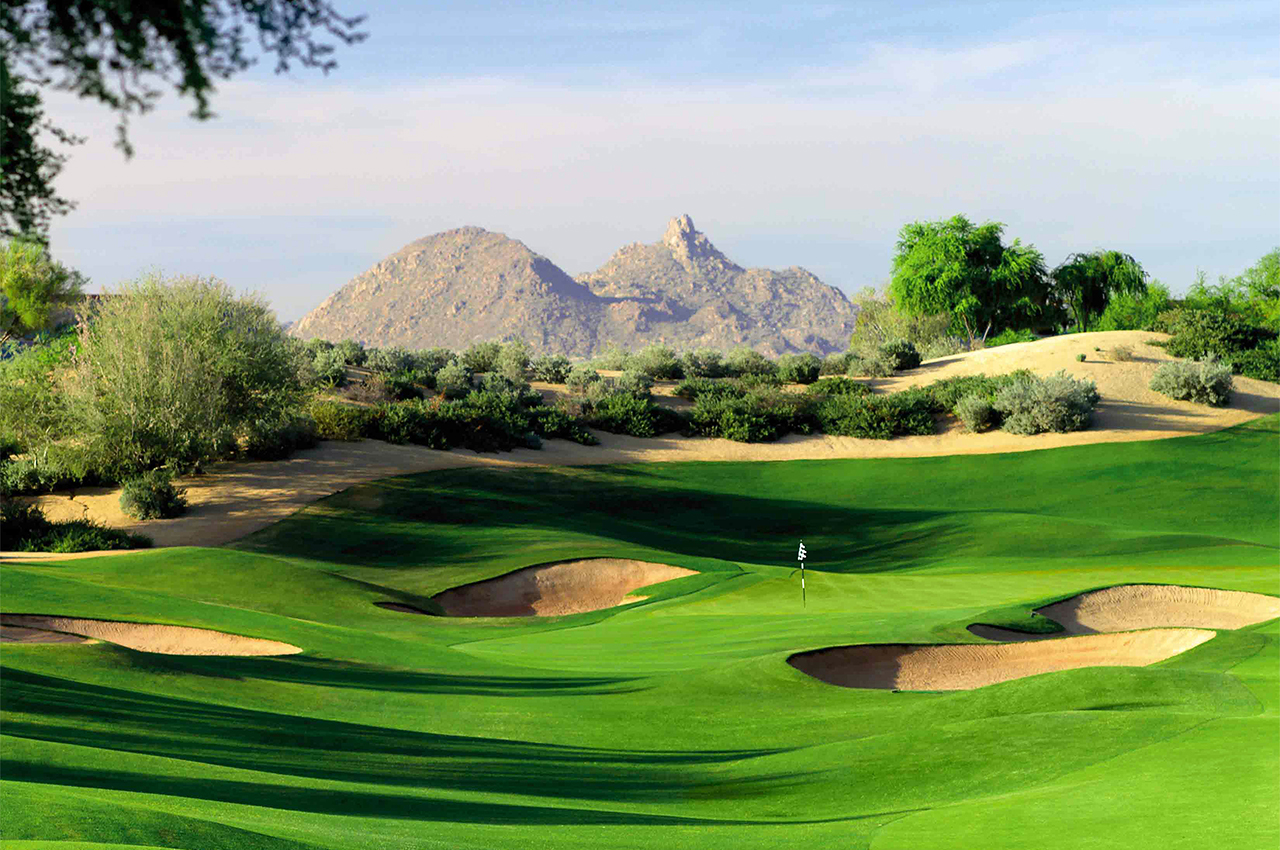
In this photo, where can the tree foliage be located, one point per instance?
(122, 53)
(32, 288)
(966, 271)
(1086, 282)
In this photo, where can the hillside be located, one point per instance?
(469, 284)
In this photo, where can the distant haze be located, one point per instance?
(804, 134)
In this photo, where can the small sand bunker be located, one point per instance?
(554, 590)
(1147, 606)
(22, 634)
(960, 667)
(166, 640)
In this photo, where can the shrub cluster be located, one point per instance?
(152, 495)
(1250, 349)
(1059, 403)
(1207, 381)
(25, 528)
(799, 368)
(551, 368)
(878, 417)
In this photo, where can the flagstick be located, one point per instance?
(803, 602)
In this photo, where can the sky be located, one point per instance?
(798, 134)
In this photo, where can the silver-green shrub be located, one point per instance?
(703, 363)
(656, 361)
(747, 361)
(581, 377)
(1059, 403)
(976, 412)
(1205, 381)
(454, 380)
(552, 368)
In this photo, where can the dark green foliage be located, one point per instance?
(1058, 403)
(1197, 333)
(1087, 282)
(1081, 357)
(874, 365)
(1010, 336)
(1207, 381)
(878, 417)
(152, 495)
(762, 415)
(901, 354)
(390, 360)
(838, 386)
(330, 367)
(431, 360)
(1127, 311)
(24, 528)
(454, 380)
(353, 353)
(552, 423)
(627, 414)
(581, 377)
(1262, 363)
(800, 368)
(551, 368)
(275, 439)
(337, 421)
(656, 361)
(694, 388)
(481, 357)
(835, 364)
(747, 361)
(410, 383)
(703, 363)
(948, 391)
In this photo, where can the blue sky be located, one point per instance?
(804, 134)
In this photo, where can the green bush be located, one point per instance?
(152, 495)
(624, 414)
(878, 417)
(1128, 311)
(612, 359)
(330, 367)
(454, 380)
(703, 363)
(944, 346)
(581, 377)
(275, 439)
(1058, 403)
(876, 365)
(551, 368)
(24, 528)
(389, 361)
(976, 412)
(838, 386)
(432, 360)
(835, 364)
(513, 360)
(656, 361)
(1010, 336)
(353, 353)
(799, 368)
(1262, 363)
(744, 361)
(551, 423)
(1081, 357)
(947, 392)
(1207, 381)
(337, 421)
(634, 384)
(694, 388)
(901, 353)
(1197, 333)
(481, 357)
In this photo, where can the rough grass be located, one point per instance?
(675, 722)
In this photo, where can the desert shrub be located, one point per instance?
(553, 423)
(1262, 363)
(1010, 336)
(337, 421)
(172, 372)
(24, 528)
(694, 388)
(513, 359)
(315, 345)
(976, 412)
(880, 321)
(481, 357)
(744, 361)
(353, 353)
(733, 418)
(799, 368)
(624, 414)
(835, 364)
(901, 353)
(33, 411)
(432, 360)
(612, 359)
(943, 346)
(551, 368)
(1081, 357)
(497, 382)
(152, 495)
(52, 466)
(838, 386)
(330, 367)
(411, 421)
(878, 417)
(274, 439)
(411, 383)
(1207, 381)
(630, 383)
(581, 377)
(389, 361)
(454, 380)
(1121, 354)
(20, 522)
(657, 361)
(371, 389)
(1197, 333)
(875, 365)
(1059, 403)
(1129, 311)
(703, 363)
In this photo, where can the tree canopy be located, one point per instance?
(122, 53)
(1086, 282)
(965, 270)
(32, 288)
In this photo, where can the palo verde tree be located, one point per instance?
(32, 288)
(121, 53)
(1086, 282)
(966, 271)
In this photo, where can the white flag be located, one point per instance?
(800, 556)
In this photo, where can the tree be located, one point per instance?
(965, 270)
(1086, 282)
(119, 52)
(32, 288)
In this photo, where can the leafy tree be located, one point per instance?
(965, 270)
(1086, 282)
(119, 53)
(32, 288)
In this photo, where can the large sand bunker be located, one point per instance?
(1147, 606)
(553, 590)
(959, 667)
(145, 637)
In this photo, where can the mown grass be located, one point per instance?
(676, 721)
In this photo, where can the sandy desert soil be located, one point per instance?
(235, 499)
(954, 667)
(166, 640)
(1145, 606)
(555, 590)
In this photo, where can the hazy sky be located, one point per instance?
(793, 134)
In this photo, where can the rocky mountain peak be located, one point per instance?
(690, 247)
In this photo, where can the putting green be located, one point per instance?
(674, 721)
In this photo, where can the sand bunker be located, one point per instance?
(1146, 606)
(166, 640)
(958, 667)
(22, 634)
(554, 590)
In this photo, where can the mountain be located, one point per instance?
(468, 284)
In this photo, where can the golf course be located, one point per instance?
(680, 713)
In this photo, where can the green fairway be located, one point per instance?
(673, 722)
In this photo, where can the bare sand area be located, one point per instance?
(555, 590)
(1146, 606)
(956, 667)
(145, 637)
(235, 499)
